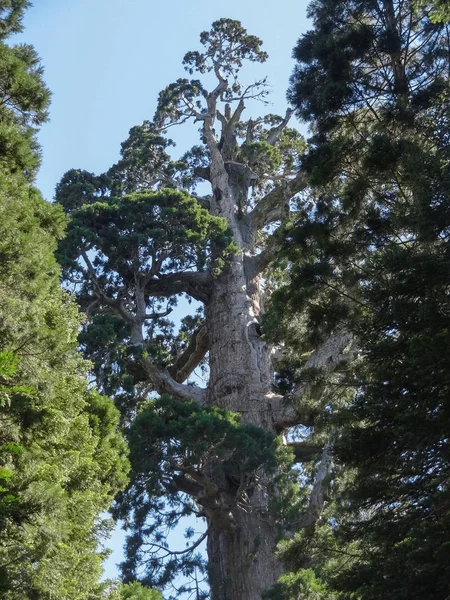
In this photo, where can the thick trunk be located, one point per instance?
(241, 372)
(241, 562)
(241, 555)
(242, 539)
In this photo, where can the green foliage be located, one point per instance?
(78, 188)
(144, 162)
(440, 9)
(173, 447)
(163, 231)
(134, 591)
(369, 255)
(302, 584)
(24, 96)
(11, 15)
(170, 436)
(62, 458)
(226, 42)
(61, 455)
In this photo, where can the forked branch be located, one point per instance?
(273, 206)
(192, 356)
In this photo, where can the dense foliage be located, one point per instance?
(62, 458)
(370, 255)
(139, 240)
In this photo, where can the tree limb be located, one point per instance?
(274, 133)
(166, 384)
(254, 265)
(197, 285)
(304, 451)
(114, 304)
(319, 492)
(192, 356)
(272, 207)
(288, 412)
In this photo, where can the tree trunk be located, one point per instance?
(241, 562)
(241, 555)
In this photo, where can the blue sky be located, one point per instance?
(106, 60)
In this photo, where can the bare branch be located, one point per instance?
(186, 551)
(274, 133)
(272, 207)
(192, 356)
(155, 316)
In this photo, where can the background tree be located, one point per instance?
(371, 257)
(62, 457)
(133, 591)
(129, 256)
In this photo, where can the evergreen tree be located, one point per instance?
(371, 257)
(139, 238)
(62, 458)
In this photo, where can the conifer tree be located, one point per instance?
(62, 457)
(372, 257)
(140, 237)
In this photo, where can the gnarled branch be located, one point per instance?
(192, 356)
(197, 285)
(272, 207)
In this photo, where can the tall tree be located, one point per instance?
(62, 457)
(212, 451)
(372, 257)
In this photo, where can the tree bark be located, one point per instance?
(241, 555)
(242, 562)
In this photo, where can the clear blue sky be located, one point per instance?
(106, 60)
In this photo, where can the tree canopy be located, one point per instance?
(62, 456)
(370, 256)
